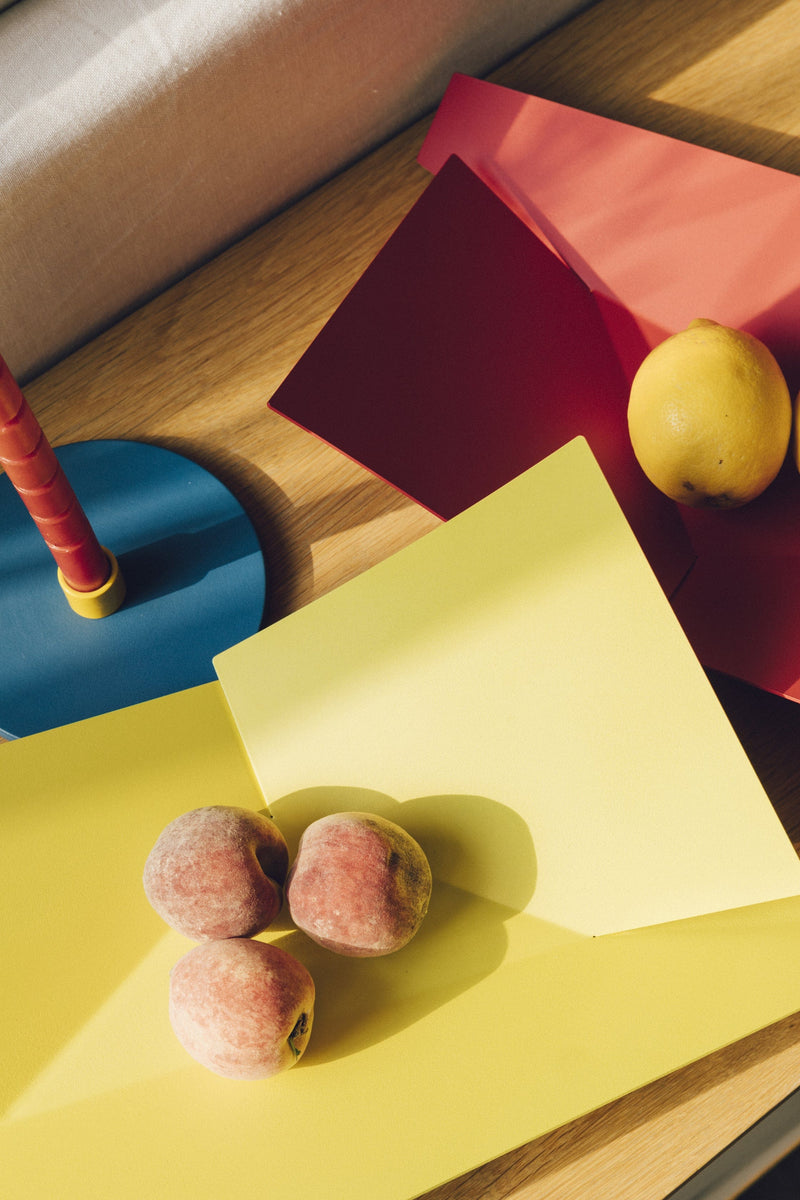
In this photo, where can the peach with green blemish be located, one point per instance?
(242, 1008)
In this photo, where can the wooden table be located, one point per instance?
(194, 369)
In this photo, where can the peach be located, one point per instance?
(218, 872)
(360, 884)
(242, 1008)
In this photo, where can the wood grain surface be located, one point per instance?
(193, 371)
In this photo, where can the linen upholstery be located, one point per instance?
(139, 137)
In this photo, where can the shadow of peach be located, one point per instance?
(484, 868)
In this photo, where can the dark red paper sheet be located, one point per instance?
(466, 353)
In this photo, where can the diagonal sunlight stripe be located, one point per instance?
(128, 1040)
(760, 51)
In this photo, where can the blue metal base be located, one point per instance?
(195, 578)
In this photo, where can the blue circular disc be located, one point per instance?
(195, 579)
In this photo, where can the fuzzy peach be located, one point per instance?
(218, 872)
(359, 885)
(242, 1008)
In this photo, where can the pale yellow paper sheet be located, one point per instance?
(494, 1025)
(521, 665)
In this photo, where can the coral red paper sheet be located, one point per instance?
(510, 309)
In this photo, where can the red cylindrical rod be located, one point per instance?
(45, 491)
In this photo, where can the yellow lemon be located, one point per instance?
(710, 416)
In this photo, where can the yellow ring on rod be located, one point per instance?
(100, 602)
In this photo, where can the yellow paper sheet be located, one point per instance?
(493, 1026)
(517, 681)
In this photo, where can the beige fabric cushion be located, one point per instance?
(138, 139)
